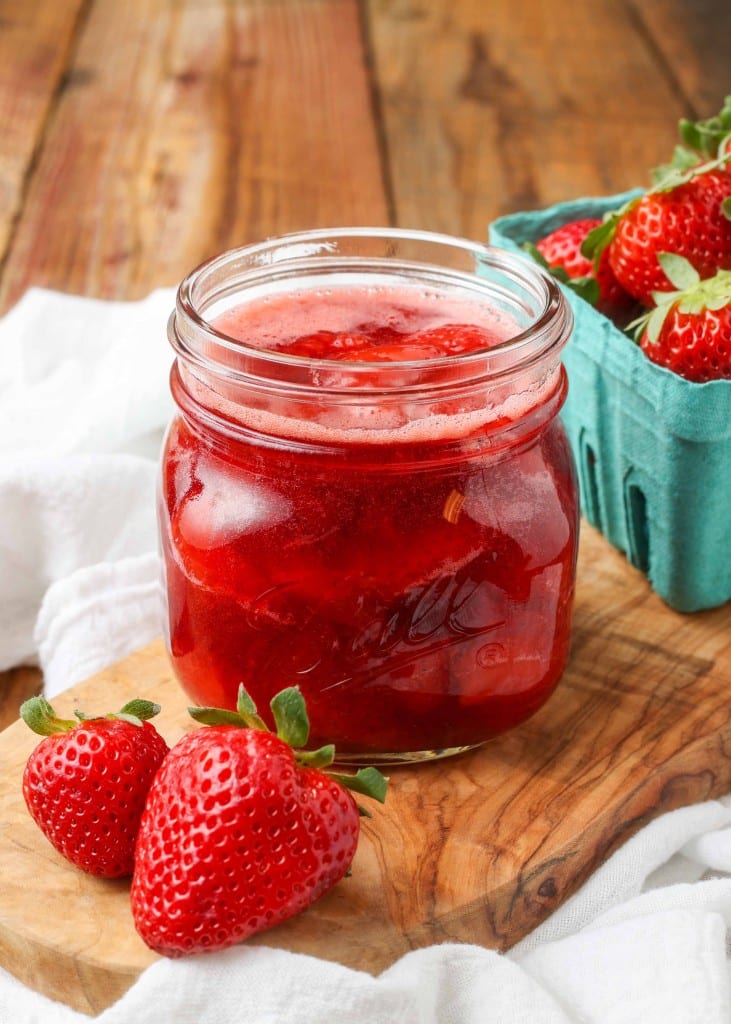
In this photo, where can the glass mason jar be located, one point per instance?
(393, 529)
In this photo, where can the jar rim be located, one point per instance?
(197, 340)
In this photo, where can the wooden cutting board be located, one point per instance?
(479, 848)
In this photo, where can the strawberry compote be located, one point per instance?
(367, 493)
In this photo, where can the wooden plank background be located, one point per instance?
(140, 137)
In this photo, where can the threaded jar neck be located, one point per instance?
(243, 384)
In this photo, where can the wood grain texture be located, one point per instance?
(187, 128)
(691, 39)
(35, 45)
(479, 848)
(17, 685)
(492, 108)
(138, 138)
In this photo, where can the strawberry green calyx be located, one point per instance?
(701, 141)
(136, 711)
(320, 758)
(691, 294)
(665, 179)
(683, 161)
(290, 716)
(682, 169)
(293, 728)
(367, 781)
(710, 135)
(39, 716)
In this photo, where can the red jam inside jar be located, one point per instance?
(367, 491)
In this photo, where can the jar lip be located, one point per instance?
(552, 322)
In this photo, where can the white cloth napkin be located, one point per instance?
(83, 405)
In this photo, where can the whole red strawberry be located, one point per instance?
(561, 250)
(562, 246)
(85, 784)
(241, 831)
(689, 331)
(690, 219)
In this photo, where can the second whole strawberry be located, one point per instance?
(242, 829)
(689, 330)
(560, 251)
(688, 219)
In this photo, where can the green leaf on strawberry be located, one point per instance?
(704, 146)
(247, 710)
(290, 716)
(141, 710)
(39, 716)
(216, 716)
(320, 758)
(601, 237)
(679, 272)
(682, 160)
(367, 781)
(707, 136)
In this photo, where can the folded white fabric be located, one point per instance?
(83, 406)
(84, 402)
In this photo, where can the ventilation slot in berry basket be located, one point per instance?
(635, 504)
(588, 473)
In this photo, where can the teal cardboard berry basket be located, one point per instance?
(653, 450)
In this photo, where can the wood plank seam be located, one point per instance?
(376, 102)
(649, 40)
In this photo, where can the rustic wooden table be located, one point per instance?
(140, 137)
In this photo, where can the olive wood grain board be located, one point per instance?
(479, 848)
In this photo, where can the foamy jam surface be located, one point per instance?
(377, 324)
(371, 323)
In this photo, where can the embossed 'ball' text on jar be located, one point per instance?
(367, 491)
